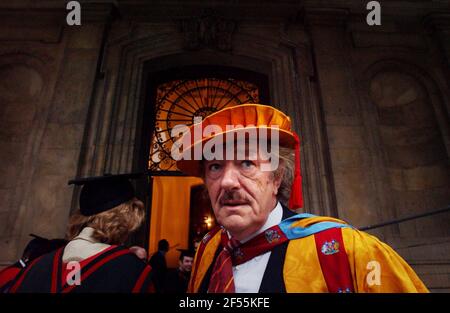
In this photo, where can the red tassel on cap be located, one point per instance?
(296, 199)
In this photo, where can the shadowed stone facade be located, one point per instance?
(371, 104)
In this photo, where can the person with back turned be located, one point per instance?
(34, 249)
(95, 258)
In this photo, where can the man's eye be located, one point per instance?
(247, 164)
(214, 167)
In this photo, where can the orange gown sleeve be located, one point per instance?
(376, 267)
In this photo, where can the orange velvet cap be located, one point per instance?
(263, 119)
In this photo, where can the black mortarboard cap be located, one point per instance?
(102, 193)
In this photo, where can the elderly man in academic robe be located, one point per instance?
(261, 244)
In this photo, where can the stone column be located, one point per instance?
(318, 189)
(439, 24)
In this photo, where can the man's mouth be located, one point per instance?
(233, 203)
(233, 200)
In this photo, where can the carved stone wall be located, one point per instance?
(286, 62)
(348, 53)
(415, 157)
(46, 79)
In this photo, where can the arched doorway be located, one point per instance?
(177, 211)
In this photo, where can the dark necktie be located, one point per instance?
(222, 280)
(234, 253)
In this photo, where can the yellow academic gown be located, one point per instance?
(374, 266)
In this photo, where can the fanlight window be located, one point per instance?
(179, 101)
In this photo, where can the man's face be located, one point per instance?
(186, 264)
(242, 195)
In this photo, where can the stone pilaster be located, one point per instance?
(349, 154)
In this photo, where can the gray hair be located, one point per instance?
(285, 169)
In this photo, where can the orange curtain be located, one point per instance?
(170, 214)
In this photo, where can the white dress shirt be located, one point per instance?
(248, 276)
(83, 246)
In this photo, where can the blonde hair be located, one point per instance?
(112, 226)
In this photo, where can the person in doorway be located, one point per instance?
(262, 245)
(159, 265)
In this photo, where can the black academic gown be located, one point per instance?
(115, 270)
(8, 275)
(272, 281)
(176, 281)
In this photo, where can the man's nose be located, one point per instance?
(230, 177)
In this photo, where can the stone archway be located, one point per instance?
(116, 119)
(173, 97)
(407, 115)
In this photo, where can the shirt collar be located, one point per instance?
(87, 233)
(274, 218)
